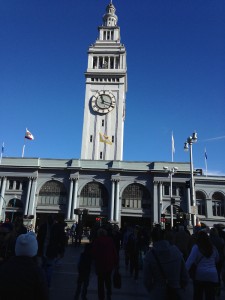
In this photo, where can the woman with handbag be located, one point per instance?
(205, 256)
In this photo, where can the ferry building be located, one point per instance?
(100, 182)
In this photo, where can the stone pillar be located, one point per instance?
(28, 197)
(112, 201)
(117, 202)
(32, 206)
(75, 204)
(155, 204)
(70, 200)
(2, 200)
(160, 189)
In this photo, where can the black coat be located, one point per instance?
(57, 240)
(21, 278)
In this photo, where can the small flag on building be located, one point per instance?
(29, 135)
(105, 139)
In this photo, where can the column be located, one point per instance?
(160, 199)
(70, 200)
(2, 200)
(75, 204)
(112, 201)
(117, 210)
(28, 197)
(156, 206)
(32, 206)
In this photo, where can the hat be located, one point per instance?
(26, 245)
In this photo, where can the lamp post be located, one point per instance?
(171, 172)
(188, 146)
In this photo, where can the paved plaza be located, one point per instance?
(65, 276)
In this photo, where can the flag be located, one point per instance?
(29, 135)
(206, 156)
(105, 139)
(3, 148)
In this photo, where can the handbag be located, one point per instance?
(117, 283)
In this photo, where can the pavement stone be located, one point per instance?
(65, 276)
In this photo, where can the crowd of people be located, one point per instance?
(169, 259)
(166, 258)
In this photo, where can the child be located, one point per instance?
(84, 269)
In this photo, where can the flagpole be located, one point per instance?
(206, 166)
(3, 145)
(23, 149)
(172, 146)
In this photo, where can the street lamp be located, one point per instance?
(188, 146)
(171, 172)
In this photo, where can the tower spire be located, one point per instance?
(110, 18)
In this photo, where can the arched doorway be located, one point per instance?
(136, 200)
(14, 209)
(52, 198)
(94, 197)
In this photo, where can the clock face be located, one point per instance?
(103, 102)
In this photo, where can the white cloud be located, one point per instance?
(214, 173)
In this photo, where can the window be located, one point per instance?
(166, 190)
(103, 122)
(17, 185)
(94, 194)
(100, 155)
(52, 193)
(174, 189)
(136, 196)
(91, 138)
(181, 191)
(11, 184)
(218, 204)
(113, 139)
(200, 202)
(95, 60)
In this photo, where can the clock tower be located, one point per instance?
(105, 95)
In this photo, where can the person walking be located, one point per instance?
(20, 277)
(106, 259)
(51, 239)
(165, 274)
(84, 269)
(205, 256)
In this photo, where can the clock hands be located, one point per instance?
(105, 102)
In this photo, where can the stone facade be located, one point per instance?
(121, 191)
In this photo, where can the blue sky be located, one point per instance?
(176, 76)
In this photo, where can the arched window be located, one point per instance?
(94, 194)
(218, 204)
(15, 203)
(52, 193)
(200, 202)
(136, 196)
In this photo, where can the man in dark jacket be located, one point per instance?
(51, 239)
(20, 277)
(106, 259)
